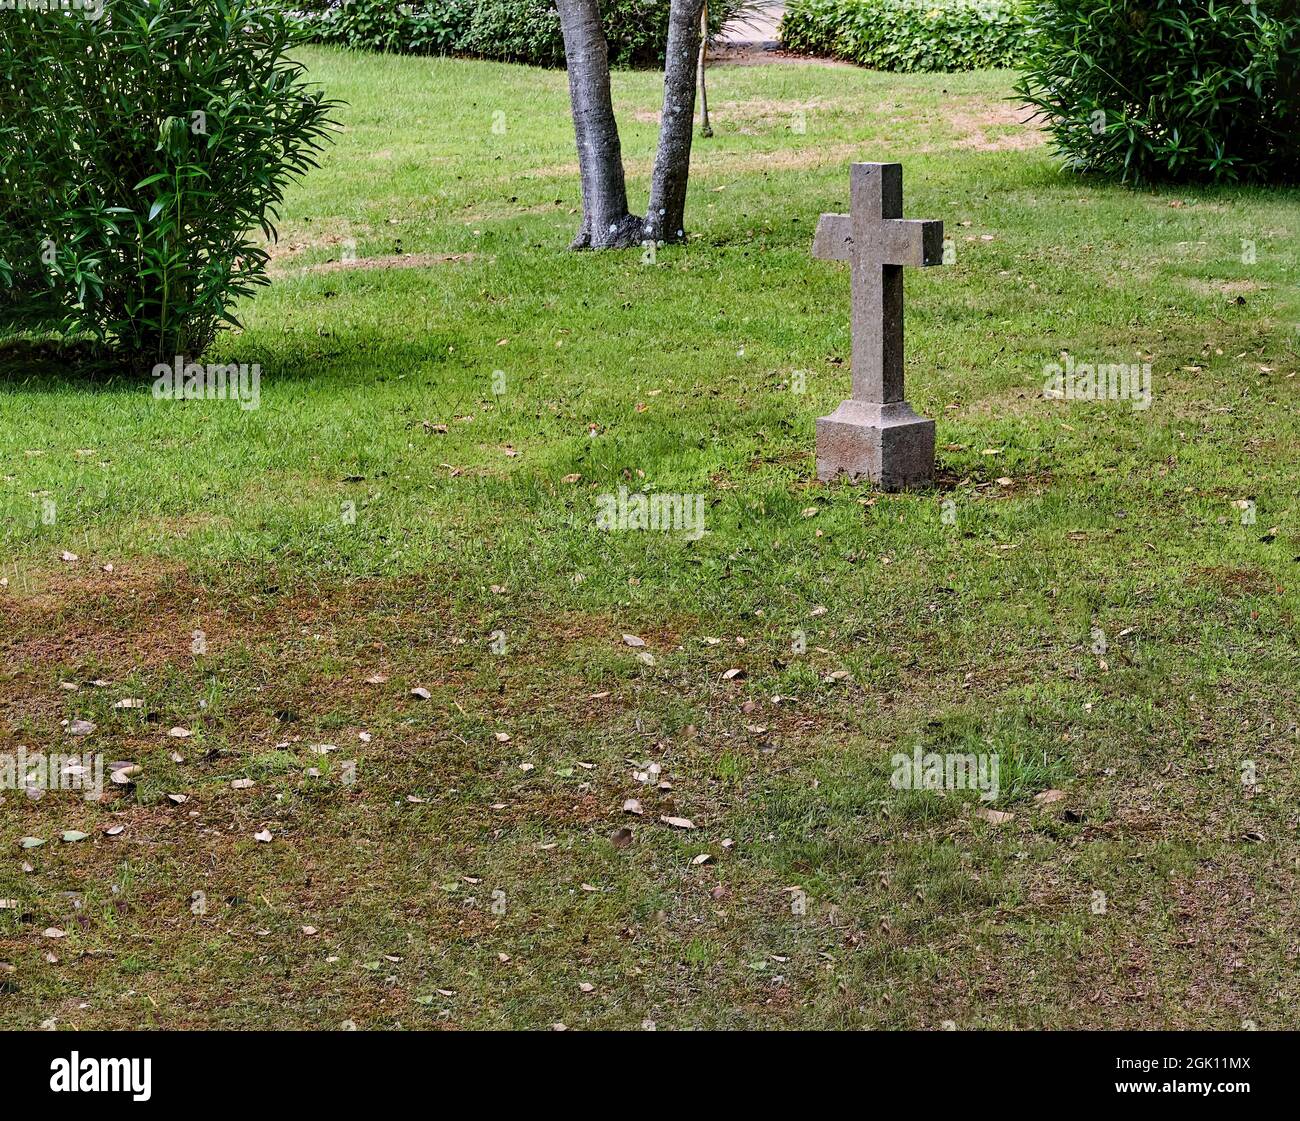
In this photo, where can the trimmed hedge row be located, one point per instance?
(909, 35)
(526, 31)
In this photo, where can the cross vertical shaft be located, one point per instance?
(876, 193)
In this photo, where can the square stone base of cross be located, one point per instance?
(888, 444)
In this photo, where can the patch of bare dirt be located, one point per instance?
(141, 614)
(1239, 581)
(705, 160)
(759, 110)
(285, 248)
(996, 128)
(381, 264)
(787, 159)
(753, 54)
(1222, 287)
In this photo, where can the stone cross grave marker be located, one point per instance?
(875, 434)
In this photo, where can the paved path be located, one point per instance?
(757, 31)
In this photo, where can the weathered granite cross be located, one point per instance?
(875, 433)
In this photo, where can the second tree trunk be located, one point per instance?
(665, 218)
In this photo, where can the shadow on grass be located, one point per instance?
(46, 363)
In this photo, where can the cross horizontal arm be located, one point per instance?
(913, 242)
(834, 238)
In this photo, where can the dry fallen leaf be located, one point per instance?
(264, 836)
(422, 693)
(632, 640)
(1047, 797)
(678, 822)
(179, 733)
(632, 806)
(81, 728)
(994, 817)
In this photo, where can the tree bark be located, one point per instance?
(606, 223)
(666, 216)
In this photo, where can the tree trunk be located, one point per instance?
(606, 223)
(666, 217)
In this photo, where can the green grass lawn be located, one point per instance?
(1081, 594)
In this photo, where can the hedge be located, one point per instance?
(526, 31)
(909, 35)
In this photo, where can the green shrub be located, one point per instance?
(137, 152)
(1170, 89)
(434, 27)
(525, 31)
(908, 35)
